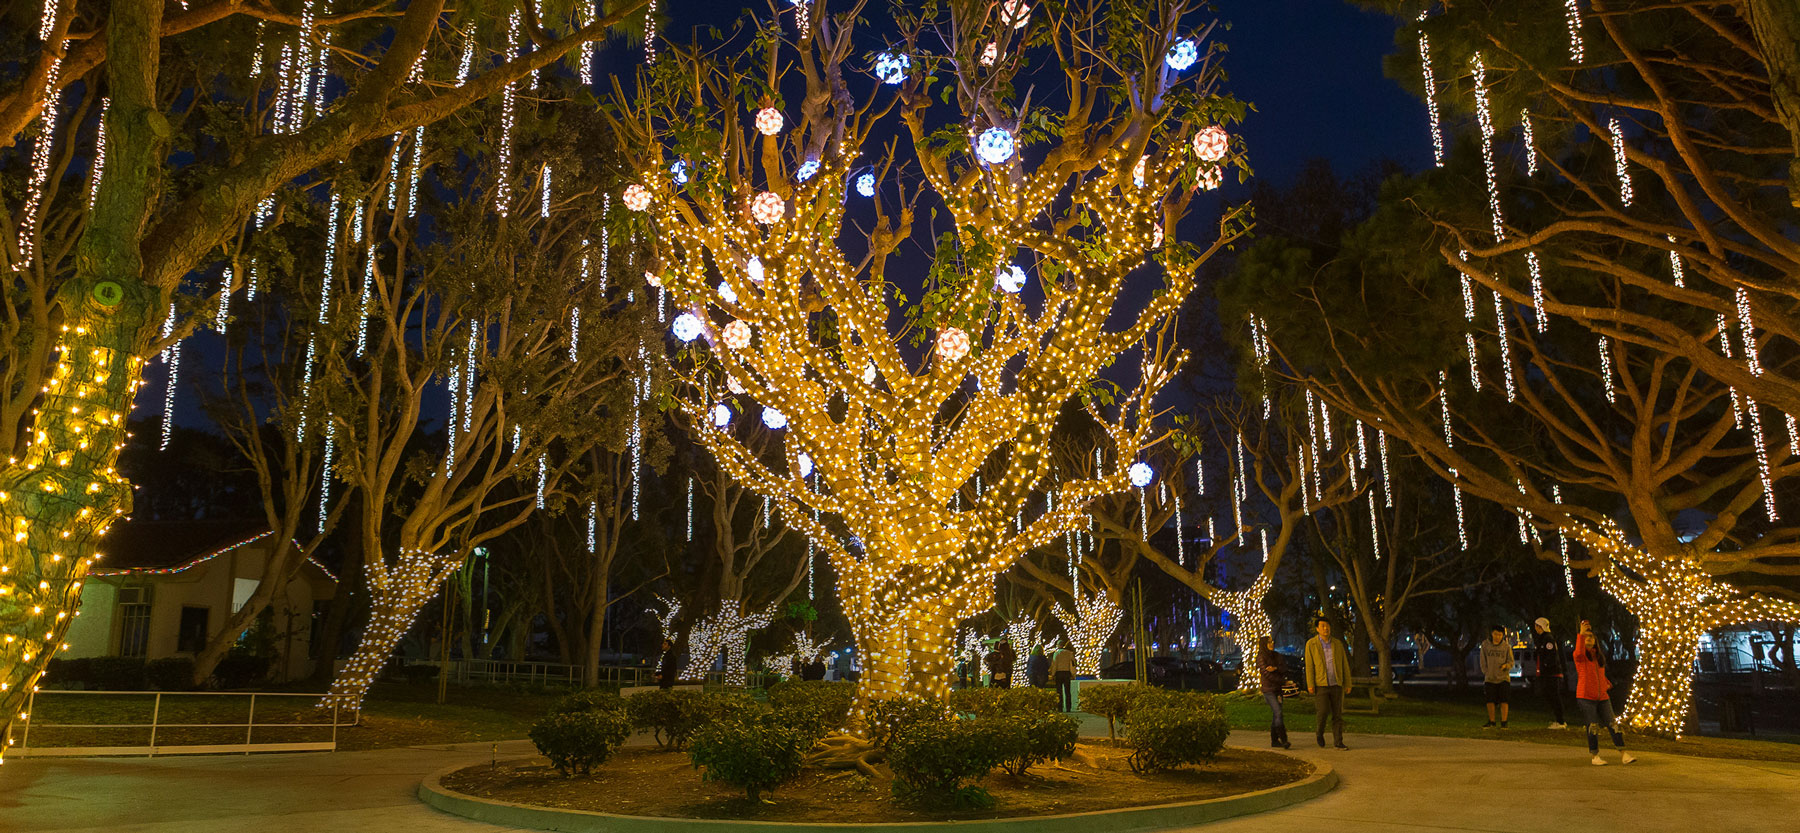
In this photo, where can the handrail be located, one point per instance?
(156, 724)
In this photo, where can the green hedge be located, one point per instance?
(990, 702)
(933, 759)
(1111, 701)
(671, 715)
(1047, 737)
(755, 751)
(1165, 736)
(577, 741)
(889, 716)
(814, 706)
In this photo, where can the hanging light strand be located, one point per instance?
(1606, 374)
(1562, 543)
(1537, 291)
(325, 472)
(99, 167)
(1531, 162)
(1485, 118)
(1431, 109)
(1617, 134)
(1505, 346)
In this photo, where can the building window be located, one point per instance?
(134, 625)
(191, 636)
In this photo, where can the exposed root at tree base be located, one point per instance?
(847, 752)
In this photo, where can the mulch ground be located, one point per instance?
(654, 782)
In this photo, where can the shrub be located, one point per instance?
(1112, 702)
(890, 716)
(753, 751)
(63, 672)
(577, 741)
(170, 673)
(991, 702)
(671, 715)
(1164, 737)
(116, 674)
(815, 706)
(240, 669)
(932, 759)
(593, 699)
(1045, 737)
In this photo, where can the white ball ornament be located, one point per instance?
(636, 197)
(773, 419)
(1211, 143)
(952, 344)
(767, 208)
(721, 415)
(1140, 474)
(726, 293)
(806, 465)
(865, 185)
(736, 335)
(678, 172)
(891, 68)
(1015, 13)
(1183, 54)
(686, 326)
(806, 170)
(990, 54)
(754, 269)
(769, 121)
(736, 387)
(1010, 278)
(995, 145)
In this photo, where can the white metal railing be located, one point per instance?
(158, 725)
(542, 673)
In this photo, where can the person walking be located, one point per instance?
(1272, 680)
(1062, 670)
(999, 665)
(1328, 680)
(1037, 668)
(665, 672)
(1496, 674)
(1593, 694)
(1550, 670)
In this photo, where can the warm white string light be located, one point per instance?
(1238, 487)
(690, 510)
(508, 101)
(1374, 530)
(468, 56)
(589, 13)
(322, 65)
(1265, 544)
(412, 186)
(366, 301)
(47, 20)
(1737, 409)
(1572, 11)
(468, 419)
(1747, 331)
(1675, 264)
(1618, 144)
(1431, 109)
(171, 357)
(1387, 489)
(223, 316)
(1606, 374)
(544, 197)
(593, 519)
(1312, 456)
(543, 477)
(1519, 512)
(325, 471)
(1180, 536)
(1531, 162)
(454, 385)
(650, 32)
(1562, 544)
(1485, 118)
(1505, 346)
(40, 160)
(393, 181)
(99, 166)
(1762, 456)
(1537, 291)
(1462, 532)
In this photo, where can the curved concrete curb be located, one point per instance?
(433, 792)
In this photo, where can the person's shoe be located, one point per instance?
(1558, 726)
(1488, 725)
(1625, 757)
(1321, 740)
(1599, 761)
(1502, 724)
(1342, 746)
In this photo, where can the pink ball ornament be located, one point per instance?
(736, 335)
(769, 121)
(990, 54)
(1210, 144)
(1211, 177)
(767, 208)
(636, 197)
(952, 344)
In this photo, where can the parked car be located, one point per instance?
(1175, 672)
(1405, 664)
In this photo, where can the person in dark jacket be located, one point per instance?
(1273, 680)
(1037, 667)
(814, 670)
(1062, 671)
(1550, 670)
(665, 673)
(1000, 665)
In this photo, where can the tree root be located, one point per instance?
(846, 752)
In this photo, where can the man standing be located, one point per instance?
(1496, 674)
(1062, 670)
(1328, 680)
(1550, 670)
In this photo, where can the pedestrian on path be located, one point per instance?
(1593, 694)
(1037, 668)
(1062, 670)
(1272, 682)
(1496, 674)
(1000, 665)
(1328, 680)
(1550, 670)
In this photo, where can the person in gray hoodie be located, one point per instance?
(1496, 674)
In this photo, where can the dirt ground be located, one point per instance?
(653, 782)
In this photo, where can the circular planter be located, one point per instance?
(1149, 817)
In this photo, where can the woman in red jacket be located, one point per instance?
(1592, 694)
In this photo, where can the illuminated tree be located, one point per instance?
(799, 307)
(93, 311)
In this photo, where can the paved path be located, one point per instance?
(1390, 783)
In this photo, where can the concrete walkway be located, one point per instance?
(1389, 783)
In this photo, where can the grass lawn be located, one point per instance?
(1444, 713)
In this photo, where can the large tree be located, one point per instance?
(1090, 172)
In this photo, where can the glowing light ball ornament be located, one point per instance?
(994, 146)
(678, 172)
(865, 185)
(736, 387)
(1211, 178)
(1010, 278)
(952, 344)
(726, 293)
(1141, 474)
(721, 415)
(1137, 171)
(769, 121)
(805, 464)
(652, 279)
(1015, 13)
(891, 68)
(868, 374)
(736, 335)
(774, 420)
(686, 327)
(754, 270)
(636, 197)
(1211, 143)
(990, 54)
(807, 170)
(767, 208)
(1183, 55)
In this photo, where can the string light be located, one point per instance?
(1747, 331)
(393, 180)
(1606, 374)
(690, 510)
(724, 631)
(1572, 11)
(1505, 346)
(1675, 264)
(1531, 162)
(544, 198)
(366, 300)
(1537, 291)
(1374, 531)
(508, 101)
(40, 158)
(585, 67)
(1762, 457)
(1462, 532)
(1431, 109)
(468, 55)
(543, 477)
(95, 171)
(650, 33)
(412, 186)
(172, 360)
(1486, 120)
(1562, 544)
(224, 314)
(325, 472)
(593, 523)
(1617, 135)
(1387, 490)
(1737, 412)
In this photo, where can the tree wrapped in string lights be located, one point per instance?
(897, 404)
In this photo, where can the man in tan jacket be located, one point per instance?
(1328, 680)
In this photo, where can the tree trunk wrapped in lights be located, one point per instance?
(1090, 623)
(749, 228)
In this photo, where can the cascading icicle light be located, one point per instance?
(1572, 12)
(171, 357)
(1537, 291)
(468, 56)
(1737, 408)
(1374, 530)
(1617, 136)
(1747, 332)
(40, 160)
(543, 477)
(1762, 457)
(544, 196)
(1462, 530)
(325, 471)
(1606, 374)
(1431, 109)
(393, 180)
(223, 316)
(365, 300)
(468, 415)
(99, 166)
(1675, 265)
(1531, 162)
(593, 519)
(412, 177)
(1387, 489)
(1505, 346)
(1485, 118)
(508, 103)
(650, 33)
(1562, 544)
(585, 67)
